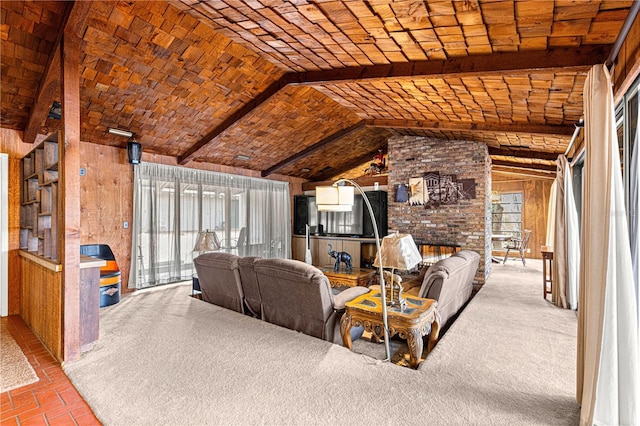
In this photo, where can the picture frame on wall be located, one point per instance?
(417, 195)
(402, 193)
(432, 189)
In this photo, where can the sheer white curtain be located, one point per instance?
(634, 216)
(172, 204)
(551, 215)
(560, 263)
(566, 242)
(608, 355)
(573, 239)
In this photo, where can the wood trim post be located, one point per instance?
(69, 196)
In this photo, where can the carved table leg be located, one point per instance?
(433, 336)
(345, 330)
(414, 341)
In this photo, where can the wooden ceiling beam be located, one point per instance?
(242, 112)
(72, 23)
(313, 148)
(363, 181)
(523, 153)
(499, 63)
(503, 62)
(514, 164)
(524, 173)
(549, 60)
(534, 129)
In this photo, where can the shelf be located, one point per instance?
(38, 211)
(51, 155)
(47, 263)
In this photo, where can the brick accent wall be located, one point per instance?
(468, 223)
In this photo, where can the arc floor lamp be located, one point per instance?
(340, 197)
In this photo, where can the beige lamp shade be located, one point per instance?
(207, 241)
(334, 198)
(398, 251)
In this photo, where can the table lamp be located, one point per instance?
(207, 241)
(398, 251)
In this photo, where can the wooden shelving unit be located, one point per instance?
(39, 202)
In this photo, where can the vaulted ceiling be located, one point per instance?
(310, 88)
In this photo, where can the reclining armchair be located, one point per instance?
(298, 296)
(219, 279)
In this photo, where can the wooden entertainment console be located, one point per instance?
(359, 248)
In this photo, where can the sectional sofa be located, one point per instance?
(450, 282)
(285, 292)
(293, 294)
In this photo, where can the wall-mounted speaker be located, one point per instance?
(300, 214)
(378, 200)
(134, 152)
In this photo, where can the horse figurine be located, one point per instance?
(340, 256)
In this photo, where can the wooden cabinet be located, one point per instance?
(323, 250)
(353, 248)
(320, 247)
(89, 301)
(39, 200)
(298, 249)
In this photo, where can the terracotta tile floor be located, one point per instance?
(50, 401)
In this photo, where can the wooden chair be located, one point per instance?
(519, 244)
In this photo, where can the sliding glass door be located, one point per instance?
(172, 205)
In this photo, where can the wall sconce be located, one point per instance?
(134, 151)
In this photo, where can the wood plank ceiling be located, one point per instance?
(313, 88)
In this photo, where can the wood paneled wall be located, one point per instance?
(11, 143)
(106, 202)
(107, 197)
(535, 205)
(41, 305)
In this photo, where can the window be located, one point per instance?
(173, 204)
(626, 123)
(506, 215)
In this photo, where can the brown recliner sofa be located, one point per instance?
(284, 292)
(249, 281)
(298, 296)
(219, 279)
(450, 282)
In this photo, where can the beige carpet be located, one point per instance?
(15, 370)
(166, 358)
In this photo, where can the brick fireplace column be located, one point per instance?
(466, 223)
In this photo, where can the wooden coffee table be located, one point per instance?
(411, 323)
(355, 277)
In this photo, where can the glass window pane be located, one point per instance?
(620, 134)
(632, 124)
(506, 216)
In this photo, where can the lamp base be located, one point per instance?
(399, 302)
(393, 291)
